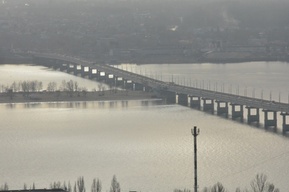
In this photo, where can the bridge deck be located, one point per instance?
(160, 85)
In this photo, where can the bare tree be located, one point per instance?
(96, 185)
(260, 184)
(69, 189)
(70, 87)
(115, 187)
(14, 86)
(80, 184)
(4, 187)
(218, 187)
(76, 86)
(179, 190)
(63, 85)
(51, 86)
(55, 185)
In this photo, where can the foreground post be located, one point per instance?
(195, 133)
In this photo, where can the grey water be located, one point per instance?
(146, 144)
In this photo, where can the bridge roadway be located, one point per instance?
(168, 87)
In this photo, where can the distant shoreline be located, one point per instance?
(214, 58)
(62, 96)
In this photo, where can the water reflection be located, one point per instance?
(124, 104)
(10, 105)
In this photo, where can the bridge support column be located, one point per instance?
(237, 111)
(110, 79)
(222, 109)
(70, 68)
(170, 97)
(118, 81)
(253, 117)
(128, 84)
(63, 67)
(285, 126)
(147, 89)
(138, 87)
(77, 69)
(86, 72)
(270, 122)
(101, 76)
(208, 105)
(183, 99)
(195, 102)
(56, 66)
(92, 73)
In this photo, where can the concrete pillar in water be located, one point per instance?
(222, 110)
(170, 97)
(285, 126)
(237, 113)
(128, 85)
(110, 79)
(270, 122)
(138, 87)
(253, 117)
(118, 81)
(183, 99)
(208, 105)
(195, 102)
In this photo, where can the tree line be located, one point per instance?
(78, 186)
(36, 86)
(258, 184)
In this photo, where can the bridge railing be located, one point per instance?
(157, 84)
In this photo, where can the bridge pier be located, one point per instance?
(110, 79)
(101, 76)
(285, 126)
(119, 82)
(128, 84)
(270, 122)
(92, 73)
(147, 88)
(55, 65)
(208, 104)
(253, 117)
(170, 97)
(77, 69)
(138, 87)
(183, 99)
(222, 109)
(85, 72)
(70, 68)
(63, 67)
(237, 112)
(195, 102)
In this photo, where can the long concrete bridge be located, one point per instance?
(171, 92)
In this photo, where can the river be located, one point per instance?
(146, 144)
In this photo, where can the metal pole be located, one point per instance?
(195, 133)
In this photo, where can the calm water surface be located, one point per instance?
(146, 144)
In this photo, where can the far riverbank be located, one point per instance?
(61, 96)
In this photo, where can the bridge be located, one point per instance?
(171, 92)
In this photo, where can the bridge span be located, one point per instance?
(171, 92)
